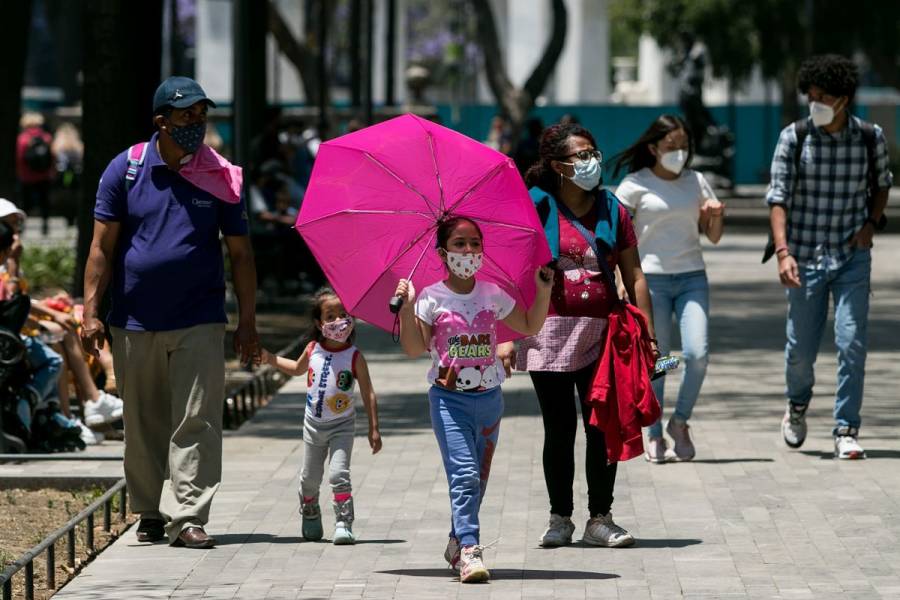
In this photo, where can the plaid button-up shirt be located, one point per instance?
(828, 204)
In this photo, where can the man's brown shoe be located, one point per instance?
(151, 530)
(194, 537)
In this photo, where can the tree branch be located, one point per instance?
(495, 70)
(303, 59)
(544, 69)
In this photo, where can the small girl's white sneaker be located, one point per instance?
(559, 532)
(602, 531)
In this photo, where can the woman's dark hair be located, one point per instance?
(322, 295)
(637, 156)
(554, 145)
(6, 236)
(446, 227)
(835, 74)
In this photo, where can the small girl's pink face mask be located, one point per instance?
(339, 330)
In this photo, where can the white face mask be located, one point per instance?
(673, 161)
(463, 265)
(587, 173)
(821, 113)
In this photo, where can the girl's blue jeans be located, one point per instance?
(466, 426)
(686, 297)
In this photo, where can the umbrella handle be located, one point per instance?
(395, 304)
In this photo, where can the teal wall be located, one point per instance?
(756, 128)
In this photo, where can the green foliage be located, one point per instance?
(775, 34)
(49, 267)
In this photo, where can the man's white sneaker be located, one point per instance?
(846, 445)
(105, 409)
(471, 565)
(793, 425)
(559, 532)
(680, 432)
(451, 553)
(656, 450)
(602, 531)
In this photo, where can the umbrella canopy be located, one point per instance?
(376, 197)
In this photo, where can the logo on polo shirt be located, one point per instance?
(201, 203)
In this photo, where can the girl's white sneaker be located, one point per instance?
(559, 532)
(602, 531)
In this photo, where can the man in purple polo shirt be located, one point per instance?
(156, 242)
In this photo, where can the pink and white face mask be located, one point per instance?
(339, 330)
(464, 265)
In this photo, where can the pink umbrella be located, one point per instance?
(376, 196)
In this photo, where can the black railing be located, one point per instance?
(245, 398)
(26, 561)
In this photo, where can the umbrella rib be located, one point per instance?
(487, 176)
(509, 277)
(500, 223)
(437, 173)
(347, 211)
(398, 257)
(393, 174)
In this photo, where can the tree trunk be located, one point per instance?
(122, 59)
(14, 29)
(515, 103)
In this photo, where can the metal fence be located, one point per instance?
(26, 561)
(243, 400)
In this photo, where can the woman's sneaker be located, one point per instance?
(602, 531)
(451, 553)
(559, 532)
(793, 425)
(846, 445)
(680, 432)
(471, 565)
(656, 450)
(312, 520)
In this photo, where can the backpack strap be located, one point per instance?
(801, 129)
(136, 155)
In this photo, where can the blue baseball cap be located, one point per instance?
(179, 92)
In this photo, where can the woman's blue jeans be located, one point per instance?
(807, 316)
(686, 297)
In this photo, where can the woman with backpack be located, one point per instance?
(578, 216)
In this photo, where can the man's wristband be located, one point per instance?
(781, 248)
(873, 223)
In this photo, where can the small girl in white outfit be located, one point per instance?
(333, 365)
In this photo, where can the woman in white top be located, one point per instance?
(672, 205)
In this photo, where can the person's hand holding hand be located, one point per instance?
(246, 342)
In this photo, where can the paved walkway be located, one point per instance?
(747, 519)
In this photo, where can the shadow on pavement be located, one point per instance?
(665, 543)
(267, 538)
(505, 574)
(869, 454)
(725, 461)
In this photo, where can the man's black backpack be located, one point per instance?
(37, 154)
(868, 133)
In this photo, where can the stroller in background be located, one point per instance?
(27, 423)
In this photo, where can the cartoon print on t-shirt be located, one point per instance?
(344, 380)
(339, 403)
(490, 377)
(468, 378)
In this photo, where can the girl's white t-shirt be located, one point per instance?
(464, 334)
(666, 214)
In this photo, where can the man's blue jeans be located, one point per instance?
(466, 426)
(807, 315)
(686, 295)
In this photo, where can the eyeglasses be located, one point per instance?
(587, 155)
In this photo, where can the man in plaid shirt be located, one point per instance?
(822, 224)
